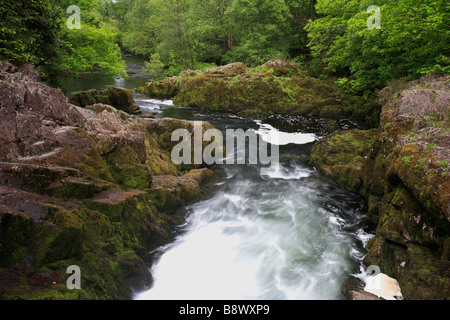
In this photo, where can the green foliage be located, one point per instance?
(407, 160)
(28, 33)
(443, 164)
(430, 147)
(93, 49)
(36, 32)
(259, 29)
(155, 67)
(137, 22)
(412, 40)
(324, 36)
(184, 32)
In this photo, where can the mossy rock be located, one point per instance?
(120, 98)
(170, 192)
(342, 157)
(275, 87)
(16, 235)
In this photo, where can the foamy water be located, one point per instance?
(287, 235)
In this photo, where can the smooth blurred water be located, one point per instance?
(289, 235)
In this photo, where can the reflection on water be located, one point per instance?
(97, 80)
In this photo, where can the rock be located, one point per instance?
(331, 125)
(229, 70)
(161, 130)
(76, 188)
(120, 98)
(402, 168)
(275, 87)
(148, 116)
(281, 68)
(164, 89)
(331, 112)
(354, 290)
(342, 156)
(250, 113)
(170, 192)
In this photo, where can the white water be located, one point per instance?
(274, 136)
(278, 237)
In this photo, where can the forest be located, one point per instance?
(328, 37)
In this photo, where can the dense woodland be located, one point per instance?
(329, 37)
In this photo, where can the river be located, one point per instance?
(289, 235)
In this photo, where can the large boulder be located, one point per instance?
(77, 187)
(274, 87)
(120, 98)
(403, 170)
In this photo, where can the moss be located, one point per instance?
(443, 164)
(341, 156)
(67, 244)
(125, 167)
(407, 160)
(265, 89)
(16, 235)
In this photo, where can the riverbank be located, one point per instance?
(101, 189)
(82, 186)
(400, 166)
(277, 87)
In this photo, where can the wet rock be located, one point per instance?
(171, 192)
(275, 87)
(76, 188)
(354, 290)
(120, 98)
(280, 67)
(342, 156)
(402, 168)
(331, 112)
(331, 125)
(250, 113)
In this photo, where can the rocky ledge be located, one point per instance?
(120, 98)
(402, 168)
(92, 187)
(277, 87)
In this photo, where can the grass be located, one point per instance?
(430, 147)
(443, 164)
(407, 160)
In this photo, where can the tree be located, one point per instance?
(212, 29)
(94, 45)
(260, 28)
(412, 40)
(35, 31)
(29, 34)
(301, 12)
(137, 22)
(171, 27)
